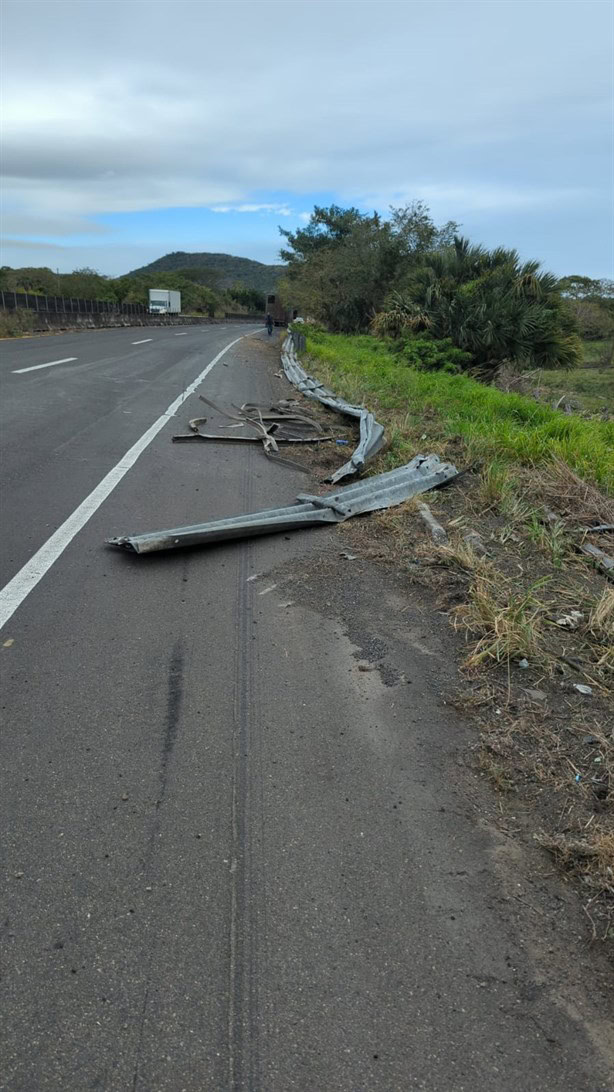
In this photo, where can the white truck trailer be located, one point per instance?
(163, 301)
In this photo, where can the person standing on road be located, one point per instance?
(269, 323)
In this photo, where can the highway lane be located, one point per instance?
(232, 861)
(63, 428)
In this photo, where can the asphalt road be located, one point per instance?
(232, 861)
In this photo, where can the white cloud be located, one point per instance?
(279, 210)
(28, 244)
(479, 196)
(20, 224)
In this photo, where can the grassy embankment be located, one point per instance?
(457, 411)
(590, 387)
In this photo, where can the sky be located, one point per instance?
(136, 127)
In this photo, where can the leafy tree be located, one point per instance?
(592, 304)
(250, 298)
(341, 266)
(87, 284)
(200, 275)
(30, 279)
(576, 287)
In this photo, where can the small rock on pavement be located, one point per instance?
(474, 540)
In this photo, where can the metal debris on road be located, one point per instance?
(371, 432)
(369, 495)
(276, 424)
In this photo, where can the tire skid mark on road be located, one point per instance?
(246, 897)
(174, 703)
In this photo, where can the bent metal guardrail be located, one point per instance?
(424, 472)
(371, 431)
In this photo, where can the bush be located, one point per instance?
(490, 305)
(16, 323)
(431, 356)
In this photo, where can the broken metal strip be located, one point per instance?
(371, 431)
(226, 438)
(269, 434)
(368, 495)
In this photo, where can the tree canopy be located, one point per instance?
(404, 275)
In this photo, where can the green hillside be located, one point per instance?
(218, 270)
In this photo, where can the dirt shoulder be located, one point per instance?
(375, 597)
(527, 622)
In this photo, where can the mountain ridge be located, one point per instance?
(226, 269)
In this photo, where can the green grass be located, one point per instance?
(597, 353)
(510, 428)
(591, 388)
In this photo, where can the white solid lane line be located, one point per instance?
(182, 334)
(35, 367)
(14, 593)
(143, 341)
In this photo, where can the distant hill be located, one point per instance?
(224, 268)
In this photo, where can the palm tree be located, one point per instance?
(488, 303)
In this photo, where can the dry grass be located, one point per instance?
(592, 858)
(508, 625)
(567, 770)
(601, 617)
(573, 497)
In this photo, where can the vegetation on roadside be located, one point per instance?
(342, 266)
(17, 323)
(592, 304)
(404, 275)
(589, 390)
(489, 304)
(452, 410)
